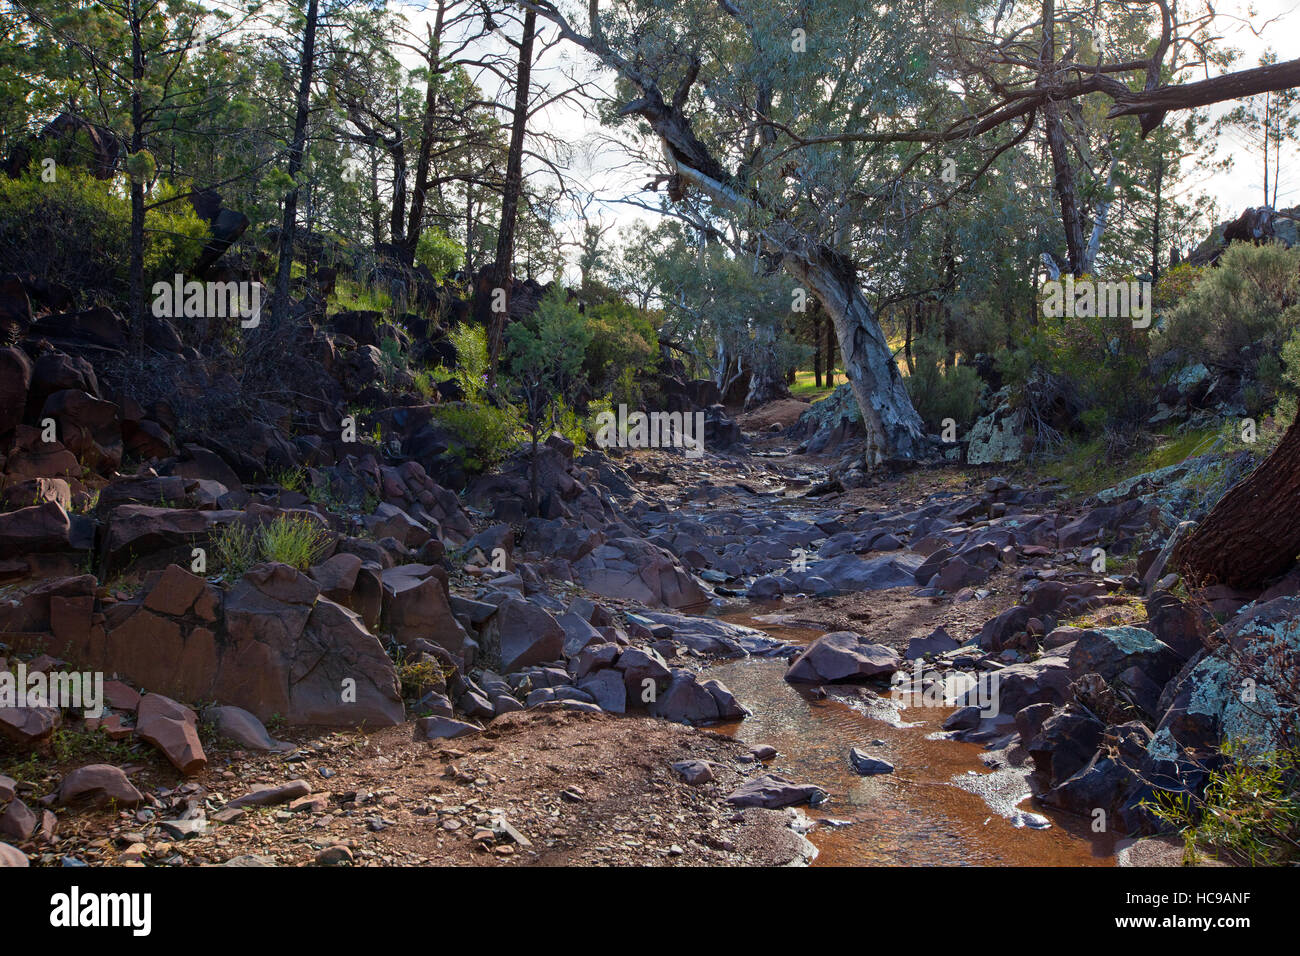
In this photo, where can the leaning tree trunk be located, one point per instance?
(1253, 534)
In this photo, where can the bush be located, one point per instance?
(75, 231)
(483, 436)
(1250, 810)
(623, 342)
(235, 549)
(938, 393)
(438, 252)
(472, 359)
(297, 540)
(1242, 310)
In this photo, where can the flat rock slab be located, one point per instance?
(773, 792)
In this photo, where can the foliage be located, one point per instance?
(297, 540)
(1243, 309)
(1250, 810)
(939, 393)
(482, 435)
(472, 359)
(438, 252)
(73, 230)
(624, 342)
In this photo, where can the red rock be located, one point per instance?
(171, 727)
(28, 726)
(97, 783)
(175, 591)
(11, 857)
(40, 528)
(18, 822)
(269, 796)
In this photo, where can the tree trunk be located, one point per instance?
(280, 304)
(766, 381)
(510, 197)
(415, 221)
(817, 348)
(894, 429)
(136, 264)
(1155, 219)
(1253, 534)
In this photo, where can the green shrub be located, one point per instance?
(938, 393)
(472, 359)
(1242, 310)
(75, 230)
(624, 342)
(235, 548)
(1250, 810)
(438, 252)
(483, 436)
(297, 540)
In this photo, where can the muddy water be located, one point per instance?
(941, 806)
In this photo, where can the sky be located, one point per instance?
(604, 174)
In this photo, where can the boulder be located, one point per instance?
(521, 634)
(99, 784)
(242, 727)
(842, 657)
(172, 728)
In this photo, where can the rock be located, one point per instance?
(175, 591)
(839, 657)
(99, 784)
(1207, 703)
(12, 856)
(728, 707)
(766, 588)
(15, 380)
(686, 701)
(18, 823)
(237, 724)
(269, 796)
(867, 765)
(694, 772)
(936, 642)
(520, 635)
(607, 689)
(848, 572)
(40, 529)
(337, 855)
(28, 726)
(963, 718)
(997, 437)
(1110, 650)
(636, 570)
(171, 727)
(436, 728)
(773, 792)
(88, 427)
(1064, 744)
(416, 605)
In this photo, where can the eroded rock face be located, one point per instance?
(997, 437)
(1238, 693)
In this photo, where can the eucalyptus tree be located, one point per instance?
(801, 120)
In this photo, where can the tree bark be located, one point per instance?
(510, 197)
(280, 304)
(1253, 534)
(415, 221)
(136, 264)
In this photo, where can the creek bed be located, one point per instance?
(941, 806)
